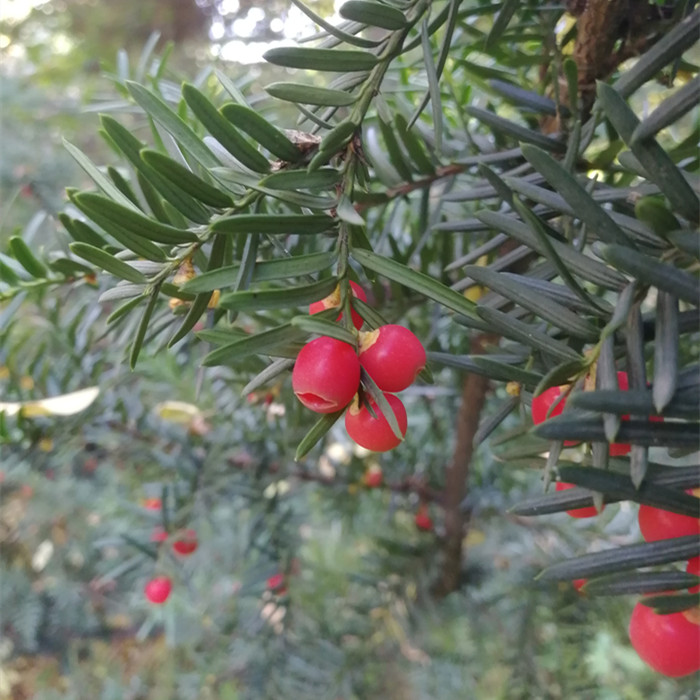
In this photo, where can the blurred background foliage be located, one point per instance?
(357, 618)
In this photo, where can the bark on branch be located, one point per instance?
(473, 397)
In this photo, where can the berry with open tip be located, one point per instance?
(158, 589)
(587, 512)
(333, 300)
(393, 356)
(670, 644)
(326, 375)
(375, 433)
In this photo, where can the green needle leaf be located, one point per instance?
(639, 432)
(108, 263)
(223, 130)
(383, 406)
(201, 302)
(634, 402)
(654, 159)
(301, 224)
(319, 430)
(419, 282)
(310, 95)
(640, 582)
(665, 350)
(278, 298)
(670, 47)
(584, 266)
(137, 343)
(321, 59)
(620, 487)
(172, 123)
(661, 275)
(669, 604)
(539, 304)
(131, 147)
(321, 179)
(550, 253)
(333, 30)
(264, 343)
(267, 270)
(186, 179)
(104, 183)
(623, 558)
(102, 209)
(373, 14)
(261, 131)
(519, 133)
(309, 324)
(571, 190)
(24, 256)
(272, 371)
(503, 18)
(669, 111)
(526, 333)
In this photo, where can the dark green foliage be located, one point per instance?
(519, 255)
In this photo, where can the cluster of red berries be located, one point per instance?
(158, 589)
(326, 375)
(668, 643)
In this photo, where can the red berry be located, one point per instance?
(333, 300)
(542, 403)
(152, 503)
(587, 512)
(276, 584)
(423, 520)
(375, 433)
(657, 524)
(158, 589)
(579, 583)
(393, 356)
(670, 644)
(326, 375)
(159, 535)
(373, 478)
(186, 543)
(693, 567)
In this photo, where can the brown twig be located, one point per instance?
(405, 188)
(410, 484)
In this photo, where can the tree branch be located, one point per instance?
(473, 398)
